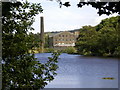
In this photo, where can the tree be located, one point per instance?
(20, 68)
(103, 7)
(102, 39)
(86, 42)
(36, 39)
(108, 34)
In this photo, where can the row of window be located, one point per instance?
(66, 35)
(64, 43)
(64, 39)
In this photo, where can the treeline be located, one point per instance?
(100, 40)
(37, 40)
(37, 43)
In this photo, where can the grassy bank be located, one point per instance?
(69, 50)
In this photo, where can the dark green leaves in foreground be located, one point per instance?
(102, 7)
(20, 68)
(101, 40)
(26, 72)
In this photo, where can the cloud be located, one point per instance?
(60, 19)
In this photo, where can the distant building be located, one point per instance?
(75, 31)
(62, 40)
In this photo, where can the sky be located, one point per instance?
(65, 18)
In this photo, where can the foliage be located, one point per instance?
(103, 7)
(46, 41)
(69, 50)
(49, 50)
(20, 68)
(37, 41)
(102, 39)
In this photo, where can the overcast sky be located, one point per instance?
(63, 19)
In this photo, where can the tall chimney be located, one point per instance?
(42, 33)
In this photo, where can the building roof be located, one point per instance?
(55, 34)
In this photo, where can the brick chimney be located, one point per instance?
(42, 33)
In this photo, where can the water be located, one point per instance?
(76, 71)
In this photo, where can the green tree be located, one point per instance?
(102, 39)
(37, 42)
(108, 35)
(36, 39)
(20, 68)
(86, 42)
(46, 41)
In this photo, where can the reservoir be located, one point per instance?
(77, 71)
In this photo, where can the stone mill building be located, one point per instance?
(62, 40)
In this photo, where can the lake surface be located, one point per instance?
(77, 71)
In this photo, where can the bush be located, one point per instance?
(117, 51)
(69, 50)
(49, 50)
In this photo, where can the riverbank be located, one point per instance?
(70, 50)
